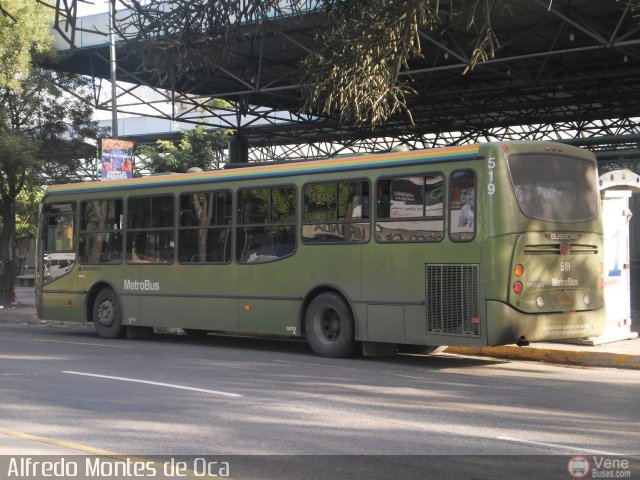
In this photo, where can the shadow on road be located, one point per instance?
(255, 344)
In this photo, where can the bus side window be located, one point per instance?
(462, 206)
(204, 232)
(100, 232)
(150, 229)
(266, 228)
(336, 213)
(410, 209)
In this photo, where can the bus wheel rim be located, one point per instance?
(106, 313)
(330, 325)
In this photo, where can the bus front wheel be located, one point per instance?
(329, 326)
(107, 315)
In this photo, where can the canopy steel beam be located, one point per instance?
(565, 69)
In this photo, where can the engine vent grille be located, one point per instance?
(452, 299)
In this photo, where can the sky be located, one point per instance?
(90, 7)
(95, 6)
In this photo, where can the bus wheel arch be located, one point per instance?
(105, 311)
(328, 321)
(90, 298)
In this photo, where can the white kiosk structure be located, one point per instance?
(616, 188)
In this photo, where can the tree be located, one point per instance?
(43, 132)
(197, 148)
(27, 208)
(366, 44)
(25, 29)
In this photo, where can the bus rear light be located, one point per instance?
(246, 308)
(518, 270)
(587, 299)
(601, 268)
(517, 287)
(540, 302)
(565, 248)
(601, 285)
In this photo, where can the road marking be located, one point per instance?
(59, 443)
(159, 384)
(562, 447)
(81, 343)
(83, 448)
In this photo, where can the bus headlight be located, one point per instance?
(587, 299)
(540, 302)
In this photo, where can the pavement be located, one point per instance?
(614, 354)
(618, 354)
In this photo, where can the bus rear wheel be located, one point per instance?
(107, 315)
(329, 326)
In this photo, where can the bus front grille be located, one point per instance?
(452, 299)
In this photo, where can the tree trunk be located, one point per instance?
(7, 249)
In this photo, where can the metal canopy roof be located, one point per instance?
(563, 69)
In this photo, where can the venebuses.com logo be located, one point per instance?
(579, 467)
(599, 467)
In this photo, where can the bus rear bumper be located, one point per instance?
(506, 325)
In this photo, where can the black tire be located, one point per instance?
(329, 326)
(107, 315)
(421, 349)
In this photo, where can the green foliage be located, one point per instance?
(27, 207)
(365, 45)
(51, 126)
(25, 28)
(42, 140)
(283, 201)
(354, 75)
(17, 158)
(197, 148)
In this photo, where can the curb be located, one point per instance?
(563, 357)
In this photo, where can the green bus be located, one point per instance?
(487, 244)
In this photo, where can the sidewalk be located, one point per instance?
(620, 354)
(24, 308)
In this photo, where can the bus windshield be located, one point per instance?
(555, 188)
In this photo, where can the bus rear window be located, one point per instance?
(555, 188)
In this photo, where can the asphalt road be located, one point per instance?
(179, 396)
